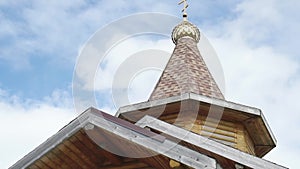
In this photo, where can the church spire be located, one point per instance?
(186, 71)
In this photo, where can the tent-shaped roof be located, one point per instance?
(186, 71)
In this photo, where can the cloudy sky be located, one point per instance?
(40, 42)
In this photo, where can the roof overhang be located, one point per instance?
(252, 118)
(128, 139)
(194, 151)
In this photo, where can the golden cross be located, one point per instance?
(185, 6)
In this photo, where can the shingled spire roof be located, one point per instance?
(186, 71)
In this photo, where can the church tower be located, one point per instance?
(186, 123)
(187, 79)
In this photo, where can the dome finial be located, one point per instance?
(185, 6)
(185, 28)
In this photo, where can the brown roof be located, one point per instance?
(186, 72)
(98, 140)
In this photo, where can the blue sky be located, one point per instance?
(256, 41)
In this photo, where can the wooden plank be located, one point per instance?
(170, 118)
(105, 157)
(129, 125)
(225, 142)
(42, 165)
(220, 126)
(157, 161)
(93, 147)
(48, 162)
(33, 166)
(72, 155)
(249, 143)
(208, 145)
(259, 135)
(130, 150)
(210, 132)
(218, 136)
(216, 121)
(213, 131)
(232, 112)
(218, 131)
(130, 165)
(118, 145)
(102, 139)
(85, 150)
(67, 160)
(167, 148)
(57, 160)
(79, 154)
(262, 150)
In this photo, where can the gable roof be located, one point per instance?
(130, 142)
(94, 126)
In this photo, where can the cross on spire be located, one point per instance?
(185, 6)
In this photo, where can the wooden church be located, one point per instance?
(186, 123)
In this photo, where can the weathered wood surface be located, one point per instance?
(69, 149)
(207, 144)
(173, 110)
(166, 148)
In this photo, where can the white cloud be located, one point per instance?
(121, 53)
(25, 124)
(57, 27)
(125, 70)
(260, 74)
(119, 68)
(262, 78)
(258, 48)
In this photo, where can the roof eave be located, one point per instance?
(254, 114)
(137, 135)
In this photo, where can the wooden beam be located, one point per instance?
(167, 148)
(207, 144)
(138, 140)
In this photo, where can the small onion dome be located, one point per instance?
(185, 29)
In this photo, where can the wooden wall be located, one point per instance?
(230, 133)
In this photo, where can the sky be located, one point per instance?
(41, 41)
